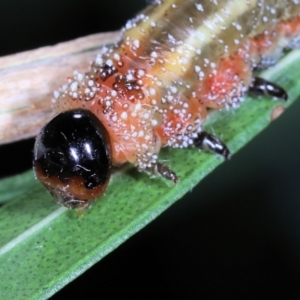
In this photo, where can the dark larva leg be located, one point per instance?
(263, 87)
(206, 141)
(163, 171)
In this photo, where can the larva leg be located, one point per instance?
(263, 87)
(163, 171)
(207, 141)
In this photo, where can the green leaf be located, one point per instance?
(43, 247)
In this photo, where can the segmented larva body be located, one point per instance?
(173, 62)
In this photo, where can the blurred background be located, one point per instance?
(235, 236)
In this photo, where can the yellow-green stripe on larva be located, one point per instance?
(188, 33)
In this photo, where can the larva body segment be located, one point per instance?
(174, 61)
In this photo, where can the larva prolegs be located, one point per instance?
(205, 141)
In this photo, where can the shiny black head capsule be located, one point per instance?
(72, 158)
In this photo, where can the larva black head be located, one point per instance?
(72, 158)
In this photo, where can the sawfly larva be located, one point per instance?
(173, 62)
